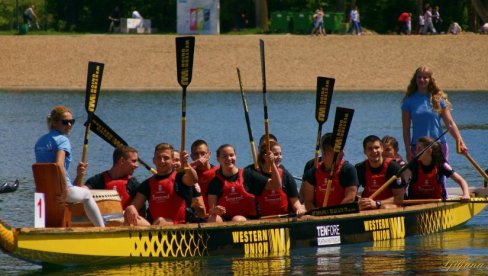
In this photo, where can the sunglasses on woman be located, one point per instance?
(66, 122)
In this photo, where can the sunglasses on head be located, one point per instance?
(66, 122)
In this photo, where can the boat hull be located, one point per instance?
(88, 246)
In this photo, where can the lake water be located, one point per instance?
(145, 119)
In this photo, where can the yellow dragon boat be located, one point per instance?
(72, 246)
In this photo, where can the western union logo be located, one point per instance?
(386, 229)
(263, 242)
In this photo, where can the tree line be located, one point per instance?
(92, 15)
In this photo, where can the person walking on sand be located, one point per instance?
(429, 26)
(318, 22)
(355, 22)
(29, 15)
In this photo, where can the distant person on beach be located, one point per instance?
(421, 24)
(405, 23)
(355, 21)
(318, 22)
(455, 29)
(136, 15)
(423, 108)
(114, 18)
(429, 25)
(428, 174)
(344, 179)
(376, 171)
(437, 20)
(55, 147)
(484, 29)
(30, 15)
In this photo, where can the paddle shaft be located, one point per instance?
(265, 100)
(439, 200)
(478, 168)
(93, 83)
(106, 133)
(185, 47)
(393, 178)
(248, 123)
(183, 119)
(329, 181)
(317, 146)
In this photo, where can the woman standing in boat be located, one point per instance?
(428, 172)
(55, 147)
(231, 192)
(280, 201)
(423, 107)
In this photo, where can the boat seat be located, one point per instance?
(49, 180)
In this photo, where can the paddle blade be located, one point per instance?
(105, 132)
(342, 123)
(93, 83)
(185, 47)
(325, 88)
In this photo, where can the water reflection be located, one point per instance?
(279, 265)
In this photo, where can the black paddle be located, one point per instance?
(9, 187)
(325, 88)
(342, 123)
(107, 134)
(93, 83)
(185, 47)
(405, 167)
(248, 122)
(265, 98)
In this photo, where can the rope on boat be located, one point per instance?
(7, 238)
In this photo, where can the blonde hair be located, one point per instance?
(56, 115)
(435, 93)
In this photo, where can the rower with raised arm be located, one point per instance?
(168, 192)
(276, 201)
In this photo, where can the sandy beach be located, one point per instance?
(148, 62)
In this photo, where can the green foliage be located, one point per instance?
(92, 15)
